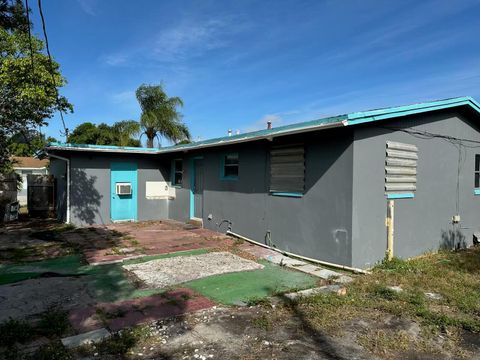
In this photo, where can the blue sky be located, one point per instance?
(237, 64)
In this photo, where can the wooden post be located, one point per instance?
(390, 224)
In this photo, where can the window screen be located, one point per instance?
(477, 171)
(230, 165)
(287, 169)
(177, 172)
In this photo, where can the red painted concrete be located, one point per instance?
(84, 320)
(150, 238)
(138, 311)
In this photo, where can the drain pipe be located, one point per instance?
(67, 161)
(338, 266)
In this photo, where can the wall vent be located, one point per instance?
(400, 168)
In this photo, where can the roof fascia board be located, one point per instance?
(29, 168)
(221, 142)
(259, 137)
(383, 114)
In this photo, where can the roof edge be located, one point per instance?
(320, 124)
(398, 111)
(192, 146)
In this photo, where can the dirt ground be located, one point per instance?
(30, 297)
(226, 333)
(266, 332)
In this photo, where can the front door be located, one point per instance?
(123, 189)
(198, 188)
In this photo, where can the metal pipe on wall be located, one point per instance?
(390, 224)
(338, 266)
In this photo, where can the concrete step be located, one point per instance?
(337, 289)
(90, 337)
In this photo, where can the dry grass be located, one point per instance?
(455, 276)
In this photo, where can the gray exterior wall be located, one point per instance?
(90, 187)
(423, 223)
(318, 225)
(340, 218)
(58, 169)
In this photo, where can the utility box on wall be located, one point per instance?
(159, 190)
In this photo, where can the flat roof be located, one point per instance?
(345, 120)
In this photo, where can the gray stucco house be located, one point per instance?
(317, 189)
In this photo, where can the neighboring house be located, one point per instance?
(317, 189)
(24, 166)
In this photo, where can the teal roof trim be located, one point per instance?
(388, 113)
(106, 147)
(263, 133)
(319, 124)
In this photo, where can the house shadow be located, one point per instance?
(323, 345)
(85, 197)
(452, 240)
(163, 313)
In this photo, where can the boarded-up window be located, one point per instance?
(401, 168)
(287, 169)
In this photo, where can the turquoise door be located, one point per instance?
(123, 206)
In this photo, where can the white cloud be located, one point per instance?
(115, 59)
(261, 124)
(123, 96)
(88, 6)
(185, 40)
(191, 39)
(127, 102)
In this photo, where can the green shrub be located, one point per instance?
(52, 351)
(53, 322)
(385, 292)
(13, 331)
(397, 265)
(119, 343)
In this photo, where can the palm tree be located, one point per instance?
(160, 116)
(125, 130)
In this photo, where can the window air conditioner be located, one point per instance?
(124, 188)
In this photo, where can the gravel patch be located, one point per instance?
(166, 272)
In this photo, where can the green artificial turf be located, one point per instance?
(246, 286)
(15, 277)
(66, 264)
(106, 282)
(109, 282)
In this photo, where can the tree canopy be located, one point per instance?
(28, 144)
(28, 94)
(121, 133)
(160, 116)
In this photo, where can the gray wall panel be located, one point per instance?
(317, 225)
(150, 209)
(90, 189)
(58, 169)
(424, 223)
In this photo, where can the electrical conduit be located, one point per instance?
(338, 266)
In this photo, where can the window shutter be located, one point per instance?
(287, 169)
(400, 168)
